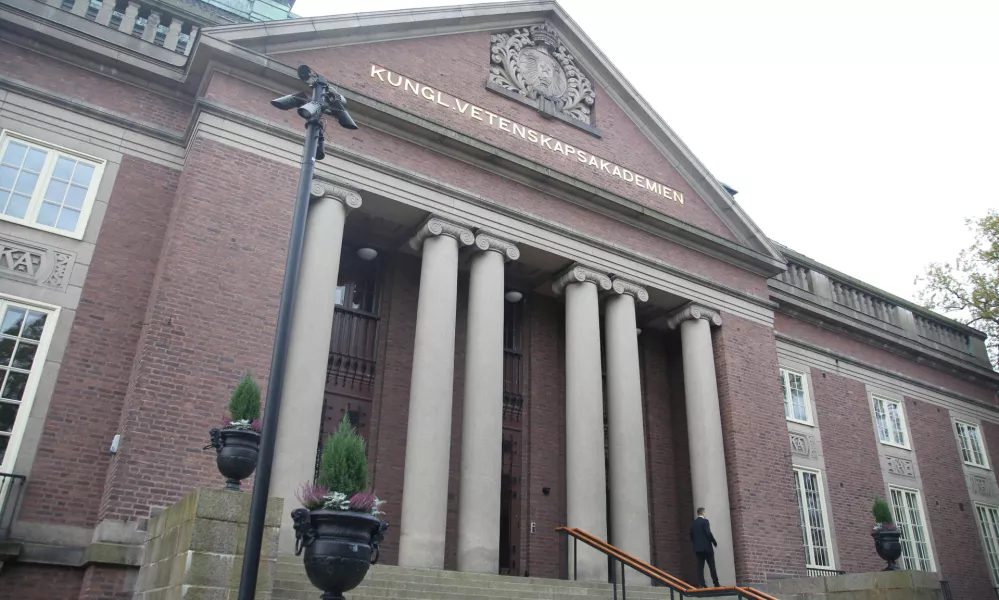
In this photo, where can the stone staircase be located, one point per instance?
(387, 582)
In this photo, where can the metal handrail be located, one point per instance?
(7, 512)
(675, 584)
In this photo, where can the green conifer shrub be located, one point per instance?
(244, 405)
(343, 467)
(882, 512)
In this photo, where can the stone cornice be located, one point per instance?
(486, 241)
(438, 226)
(691, 312)
(620, 286)
(349, 198)
(578, 274)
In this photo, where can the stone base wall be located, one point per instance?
(194, 549)
(894, 585)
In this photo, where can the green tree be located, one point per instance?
(968, 289)
(245, 401)
(343, 466)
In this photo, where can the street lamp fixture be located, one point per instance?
(322, 101)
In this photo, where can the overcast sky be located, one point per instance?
(860, 133)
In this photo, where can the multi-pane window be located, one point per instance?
(792, 385)
(915, 538)
(890, 422)
(972, 448)
(46, 188)
(814, 522)
(988, 518)
(21, 329)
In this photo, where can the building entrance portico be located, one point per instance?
(459, 387)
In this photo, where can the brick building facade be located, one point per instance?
(146, 188)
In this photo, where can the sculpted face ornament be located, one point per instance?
(532, 64)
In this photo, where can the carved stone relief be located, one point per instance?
(901, 466)
(982, 486)
(533, 66)
(802, 445)
(35, 264)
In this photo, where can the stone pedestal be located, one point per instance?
(879, 585)
(194, 549)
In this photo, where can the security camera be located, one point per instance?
(337, 106)
(306, 74)
(291, 101)
(310, 110)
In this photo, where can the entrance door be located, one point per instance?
(513, 406)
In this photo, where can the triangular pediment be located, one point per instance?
(523, 77)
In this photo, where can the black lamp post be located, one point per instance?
(324, 101)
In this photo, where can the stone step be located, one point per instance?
(396, 583)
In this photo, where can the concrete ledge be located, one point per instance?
(880, 585)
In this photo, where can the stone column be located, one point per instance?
(482, 421)
(80, 7)
(152, 24)
(709, 475)
(190, 40)
(428, 437)
(586, 483)
(105, 12)
(629, 496)
(308, 350)
(128, 20)
(173, 34)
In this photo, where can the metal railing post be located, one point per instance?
(624, 592)
(613, 574)
(575, 553)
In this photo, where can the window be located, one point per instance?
(24, 333)
(915, 539)
(796, 405)
(891, 422)
(46, 188)
(972, 449)
(814, 523)
(988, 518)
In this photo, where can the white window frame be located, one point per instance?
(806, 529)
(53, 152)
(921, 505)
(893, 441)
(34, 376)
(964, 445)
(786, 387)
(989, 530)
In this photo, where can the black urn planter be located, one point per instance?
(339, 547)
(888, 544)
(237, 451)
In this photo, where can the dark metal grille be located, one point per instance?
(11, 488)
(352, 353)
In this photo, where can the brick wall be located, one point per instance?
(764, 509)
(957, 540)
(872, 355)
(391, 415)
(67, 477)
(86, 86)
(211, 317)
(851, 458)
(250, 99)
(681, 458)
(20, 581)
(102, 582)
(660, 454)
(544, 438)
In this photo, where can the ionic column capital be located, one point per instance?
(693, 311)
(349, 198)
(639, 293)
(578, 274)
(437, 226)
(486, 241)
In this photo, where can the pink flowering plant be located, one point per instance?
(244, 406)
(343, 476)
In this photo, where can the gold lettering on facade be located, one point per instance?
(523, 132)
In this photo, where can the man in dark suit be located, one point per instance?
(704, 546)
